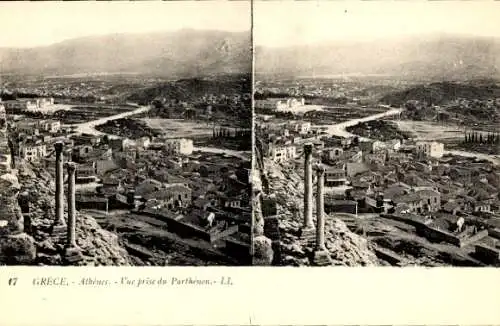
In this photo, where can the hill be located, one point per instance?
(183, 53)
(194, 88)
(430, 57)
(443, 92)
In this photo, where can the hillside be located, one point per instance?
(183, 53)
(434, 57)
(194, 88)
(443, 92)
(28, 240)
(283, 184)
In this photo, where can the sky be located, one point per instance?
(284, 23)
(29, 24)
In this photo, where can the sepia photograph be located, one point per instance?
(158, 160)
(377, 140)
(125, 133)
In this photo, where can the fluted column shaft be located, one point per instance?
(308, 193)
(320, 216)
(71, 236)
(59, 184)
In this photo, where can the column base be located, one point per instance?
(321, 258)
(72, 255)
(307, 235)
(59, 232)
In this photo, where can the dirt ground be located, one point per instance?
(425, 130)
(180, 128)
(53, 108)
(303, 108)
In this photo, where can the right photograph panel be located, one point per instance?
(376, 134)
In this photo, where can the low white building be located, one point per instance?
(51, 126)
(33, 152)
(430, 149)
(182, 146)
(143, 142)
(20, 104)
(5, 157)
(334, 153)
(283, 153)
(29, 103)
(301, 127)
(279, 103)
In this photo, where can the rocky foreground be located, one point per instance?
(286, 189)
(346, 248)
(27, 240)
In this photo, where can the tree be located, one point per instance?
(480, 138)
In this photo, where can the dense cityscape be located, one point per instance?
(117, 168)
(197, 147)
(401, 175)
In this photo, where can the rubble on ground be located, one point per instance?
(346, 248)
(262, 246)
(263, 252)
(16, 247)
(37, 191)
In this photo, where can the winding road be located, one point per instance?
(89, 128)
(339, 130)
(239, 154)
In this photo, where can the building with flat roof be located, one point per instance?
(33, 151)
(178, 146)
(430, 149)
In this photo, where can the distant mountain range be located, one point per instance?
(183, 53)
(435, 57)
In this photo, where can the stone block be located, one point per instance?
(321, 258)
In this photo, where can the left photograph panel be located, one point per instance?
(125, 133)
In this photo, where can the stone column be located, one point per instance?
(321, 256)
(308, 191)
(71, 239)
(72, 253)
(320, 218)
(59, 185)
